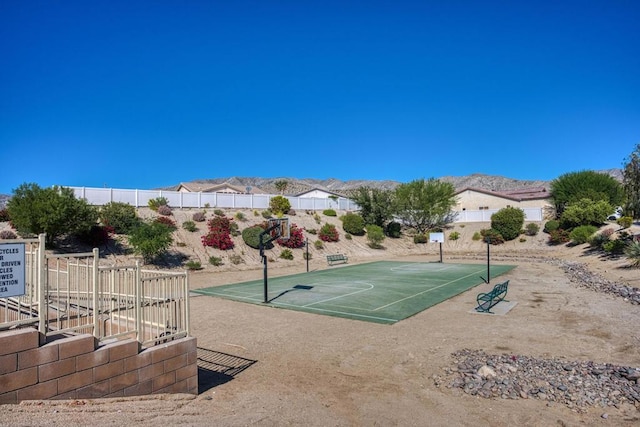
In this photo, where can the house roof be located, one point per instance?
(519, 195)
(324, 190)
(205, 187)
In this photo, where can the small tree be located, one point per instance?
(122, 217)
(375, 236)
(631, 183)
(353, 224)
(281, 185)
(54, 211)
(425, 205)
(279, 205)
(376, 205)
(508, 222)
(150, 239)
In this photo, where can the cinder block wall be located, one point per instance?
(78, 368)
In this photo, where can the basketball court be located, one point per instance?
(381, 292)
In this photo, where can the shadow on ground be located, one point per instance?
(216, 368)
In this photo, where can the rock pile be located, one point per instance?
(575, 384)
(578, 273)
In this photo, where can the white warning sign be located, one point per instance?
(12, 270)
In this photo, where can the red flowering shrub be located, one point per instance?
(219, 235)
(328, 233)
(295, 240)
(166, 221)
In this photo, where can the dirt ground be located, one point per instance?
(275, 367)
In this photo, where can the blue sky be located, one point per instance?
(147, 94)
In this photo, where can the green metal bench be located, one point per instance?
(489, 299)
(337, 259)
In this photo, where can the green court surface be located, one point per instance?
(382, 292)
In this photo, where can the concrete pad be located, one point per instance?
(500, 309)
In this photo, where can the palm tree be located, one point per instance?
(281, 185)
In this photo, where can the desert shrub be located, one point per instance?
(291, 212)
(454, 235)
(171, 224)
(353, 224)
(311, 231)
(328, 233)
(215, 261)
(597, 241)
(318, 244)
(625, 221)
(394, 229)
(189, 226)
(531, 229)
(218, 212)
(615, 246)
(476, 236)
(4, 215)
(559, 236)
(193, 265)
(286, 254)
(492, 236)
(199, 216)
(307, 255)
(219, 233)
(632, 251)
(234, 229)
(122, 217)
(164, 210)
(551, 225)
(375, 236)
(251, 237)
(295, 240)
(154, 204)
(279, 205)
(181, 244)
(256, 213)
(420, 238)
(240, 216)
(150, 239)
(329, 212)
(582, 234)
(266, 214)
(317, 218)
(97, 235)
(236, 259)
(8, 235)
(585, 212)
(508, 222)
(348, 236)
(522, 240)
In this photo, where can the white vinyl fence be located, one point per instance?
(177, 199)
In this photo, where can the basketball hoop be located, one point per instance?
(279, 228)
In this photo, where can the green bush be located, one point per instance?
(531, 229)
(353, 224)
(311, 231)
(492, 236)
(279, 205)
(615, 247)
(215, 261)
(121, 217)
(597, 241)
(476, 236)
(166, 221)
(218, 212)
(307, 255)
(625, 221)
(508, 222)
(420, 238)
(348, 236)
(375, 236)
(329, 233)
(240, 216)
(394, 229)
(632, 251)
(329, 212)
(582, 234)
(551, 225)
(189, 226)
(266, 214)
(585, 212)
(251, 236)
(286, 254)
(150, 239)
(454, 235)
(154, 204)
(318, 244)
(193, 265)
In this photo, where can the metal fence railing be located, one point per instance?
(72, 293)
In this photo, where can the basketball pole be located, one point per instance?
(307, 243)
(488, 279)
(264, 258)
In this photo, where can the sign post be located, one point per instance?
(12, 270)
